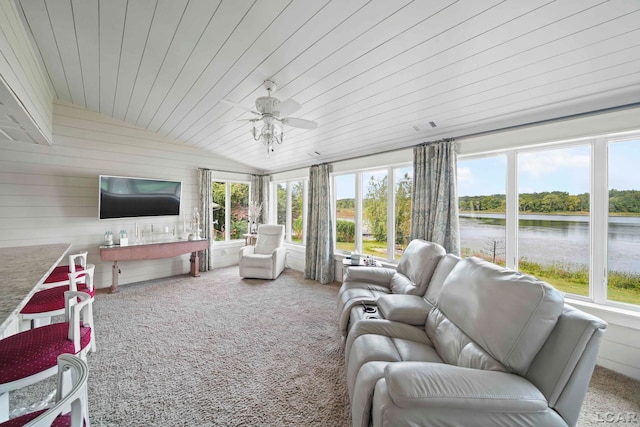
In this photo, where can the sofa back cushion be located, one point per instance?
(455, 348)
(416, 266)
(508, 314)
(444, 267)
(270, 237)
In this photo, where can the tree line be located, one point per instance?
(620, 201)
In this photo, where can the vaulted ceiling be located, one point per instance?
(374, 75)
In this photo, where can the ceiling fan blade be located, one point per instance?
(289, 106)
(241, 120)
(299, 123)
(235, 104)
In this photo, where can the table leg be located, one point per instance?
(195, 264)
(114, 277)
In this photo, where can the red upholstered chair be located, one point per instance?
(50, 302)
(75, 399)
(30, 356)
(60, 274)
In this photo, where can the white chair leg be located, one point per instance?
(4, 407)
(92, 325)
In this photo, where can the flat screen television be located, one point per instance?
(126, 197)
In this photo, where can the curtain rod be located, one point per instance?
(494, 131)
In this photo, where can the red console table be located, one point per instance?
(152, 251)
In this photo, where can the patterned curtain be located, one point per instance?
(206, 218)
(434, 202)
(319, 250)
(260, 194)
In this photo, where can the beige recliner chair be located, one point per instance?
(497, 348)
(266, 259)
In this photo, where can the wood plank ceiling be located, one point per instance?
(373, 74)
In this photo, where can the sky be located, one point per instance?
(565, 169)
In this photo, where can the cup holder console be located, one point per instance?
(368, 309)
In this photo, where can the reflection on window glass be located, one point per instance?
(281, 190)
(239, 210)
(623, 252)
(345, 190)
(482, 189)
(296, 211)
(403, 178)
(219, 200)
(553, 220)
(374, 213)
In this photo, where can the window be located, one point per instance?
(569, 214)
(553, 220)
(290, 209)
(623, 236)
(281, 204)
(297, 209)
(369, 219)
(345, 194)
(219, 210)
(482, 204)
(232, 223)
(374, 213)
(403, 188)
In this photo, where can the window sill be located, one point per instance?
(614, 315)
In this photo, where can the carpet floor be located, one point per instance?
(219, 350)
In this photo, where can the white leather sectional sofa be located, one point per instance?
(483, 346)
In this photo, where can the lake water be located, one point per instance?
(555, 239)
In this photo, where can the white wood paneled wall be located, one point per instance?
(21, 70)
(49, 194)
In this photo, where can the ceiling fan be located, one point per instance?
(274, 114)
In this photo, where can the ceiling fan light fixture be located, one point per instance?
(269, 111)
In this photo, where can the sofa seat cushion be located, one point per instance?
(385, 341)
(508, 314)
(257, 260)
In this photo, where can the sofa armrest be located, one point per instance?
(435, 385)
(373, 275)
(411, 309)
(279, 253)
(246, 250)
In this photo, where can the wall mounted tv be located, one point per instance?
(125, 197)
